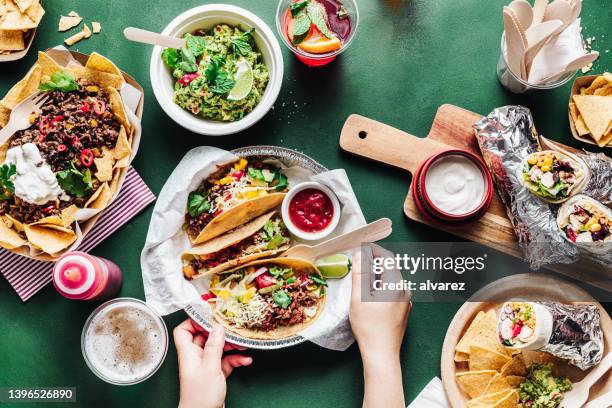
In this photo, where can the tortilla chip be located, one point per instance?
(461, 357)
(604, 90)
(605, 140)
(5, 114)
(35, 13)
(596, 111)
(16, 20)
(118, 108)
(86, 30)
(47, 64)
(496, 384)
(96, 27)
(104, 165)
(100, 198)
(516, 366)
(514, 380)
(14, 223)
(482, 332)
(597, 83)
(50, 220)
(74, 38)
(69, 215)
(23, 5)
(9, 238)
(510, 401)
(23, 89)
(482, 358)
(73, 14)
(578, 122)
(101, 63)
(50, 239)
(122, 149)
(102, 79)
(488, 400)
(115, 182)
(68, 22)
(473, 383)
(11, 40)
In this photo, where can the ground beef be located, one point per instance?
(294, 313)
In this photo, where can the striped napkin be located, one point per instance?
(28, 276)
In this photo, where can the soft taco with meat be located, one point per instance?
(234, 194)
(583, 220)
(268, 298)
(265, 236)
(554, 176)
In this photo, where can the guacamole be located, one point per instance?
(208, 68)
(541, 389)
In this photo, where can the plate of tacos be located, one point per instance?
(481, 368)
(58, 174)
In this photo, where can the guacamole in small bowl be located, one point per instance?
(220, 75)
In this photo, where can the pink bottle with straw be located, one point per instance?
(81, 276)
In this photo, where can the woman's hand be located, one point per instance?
(202, 367)
(378, 320)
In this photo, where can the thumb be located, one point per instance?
(213, 350)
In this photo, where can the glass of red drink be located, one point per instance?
(333, 24)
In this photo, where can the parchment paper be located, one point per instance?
(166, 290)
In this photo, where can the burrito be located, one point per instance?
(553, 176)
(265, 236)
(585, 220)
(236, 193)
(268, 298)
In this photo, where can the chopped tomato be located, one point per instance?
(208, 295)
(238, 175)
(264, 280)
(516, 329)
(188, 78)
(85, 107)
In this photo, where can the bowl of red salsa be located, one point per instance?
(311, 211)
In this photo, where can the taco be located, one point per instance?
(553, 176)
(265, 236)
(234, 194)
(268, 298)
(67, 158)
(585, 220)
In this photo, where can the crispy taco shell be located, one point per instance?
(283, 331)
(226, 240)
(238, 215)
(581, 172)
(594, 207)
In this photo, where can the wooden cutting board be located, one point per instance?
(451, 129)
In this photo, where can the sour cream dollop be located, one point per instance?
(455, 184)
(34, 180)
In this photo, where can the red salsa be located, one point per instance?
(311, 210)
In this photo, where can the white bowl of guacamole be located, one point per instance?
(200, 103)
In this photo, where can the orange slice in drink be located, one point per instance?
(321, 46)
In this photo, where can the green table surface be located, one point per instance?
(408, 58)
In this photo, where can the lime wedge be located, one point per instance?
(334, 266)
(244, 82)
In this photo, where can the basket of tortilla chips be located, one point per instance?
(590, 109)
(19, 20)
(57, 175)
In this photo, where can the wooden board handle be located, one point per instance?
(377, 141)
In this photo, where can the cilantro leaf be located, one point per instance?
(318, 279)
(242, 45)
(75, 182)
(195, 44)
(282, 181)
(171, 57)
(197, 204)
(318, 15)
(274, 234)
(7, 188)
(63, 81)
(222, 83)
(282, 298)
(297, 6)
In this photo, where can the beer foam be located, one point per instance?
(125, 342)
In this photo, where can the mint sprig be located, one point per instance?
(318, 16)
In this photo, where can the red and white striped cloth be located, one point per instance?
(28, 276)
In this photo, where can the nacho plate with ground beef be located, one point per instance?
(57, 175)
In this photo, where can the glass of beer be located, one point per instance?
(124, 341)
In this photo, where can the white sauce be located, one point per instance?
(455, 184)
(34, 181)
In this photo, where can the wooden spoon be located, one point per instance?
(580, 390)
(537, 36)
(149, 37)
(574, 65)
(523, 11)
(516, 43)
(559, 10)
(576, 8)
(371, 232)
(539, 7)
